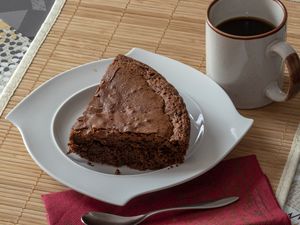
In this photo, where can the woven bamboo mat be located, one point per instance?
(87, 30)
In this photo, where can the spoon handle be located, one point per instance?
(204, 205)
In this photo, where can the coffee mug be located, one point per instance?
(246, 51)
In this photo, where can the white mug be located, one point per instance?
(250, 68)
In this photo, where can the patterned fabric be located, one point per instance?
(292, 206)
(13, 46)
(26, 16)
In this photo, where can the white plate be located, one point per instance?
(38, 116)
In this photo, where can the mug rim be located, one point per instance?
(277, 28)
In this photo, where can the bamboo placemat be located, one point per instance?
(87, 30)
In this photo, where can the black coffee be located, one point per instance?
(245, 26)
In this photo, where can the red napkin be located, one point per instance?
(236, 177)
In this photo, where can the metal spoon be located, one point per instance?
(99, 218)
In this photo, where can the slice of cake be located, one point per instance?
(136, 118)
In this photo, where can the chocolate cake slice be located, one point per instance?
(136, 118)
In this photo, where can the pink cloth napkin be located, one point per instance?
(236, 177)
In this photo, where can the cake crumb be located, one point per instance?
(117, 172)
(170, 167)
(90, 164)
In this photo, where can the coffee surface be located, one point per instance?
(245, 26)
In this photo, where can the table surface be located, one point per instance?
(89, 30)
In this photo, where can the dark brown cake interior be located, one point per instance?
(136, 118)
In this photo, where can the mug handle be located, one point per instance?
(290, 57)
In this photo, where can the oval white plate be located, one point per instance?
(224, 127)
(74, 106)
